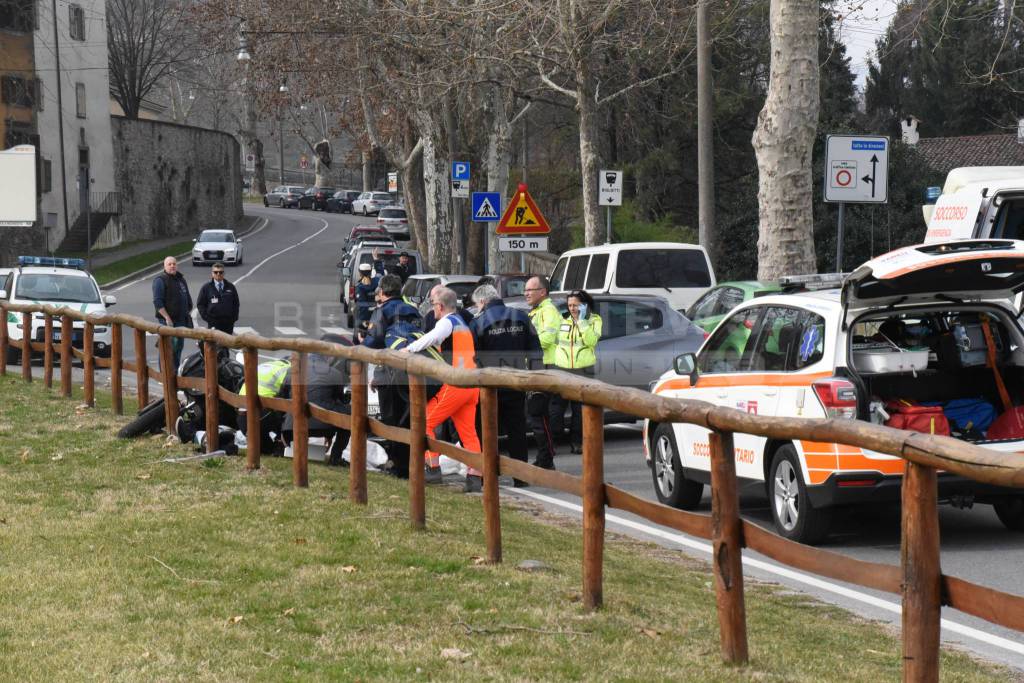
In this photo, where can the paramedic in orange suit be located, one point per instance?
(458, 403)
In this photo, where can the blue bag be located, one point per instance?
(966, 414)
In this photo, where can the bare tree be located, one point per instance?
(783, 142)
(145, 39)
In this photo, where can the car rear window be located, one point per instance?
(662, 268)
(392, 213)
(381, 196)
(514, 287)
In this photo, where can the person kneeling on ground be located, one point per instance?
(326, 378)
(272, 382)
(458, 403)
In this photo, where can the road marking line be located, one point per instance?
(334, 330)
(292, 331)
(793, 575)
(276, 254)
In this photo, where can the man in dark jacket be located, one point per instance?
(218, 302)
(172, 302)
(326, 377)
(403, 269)
(505, 338)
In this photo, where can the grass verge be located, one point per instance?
(120, 567)
(119, 269)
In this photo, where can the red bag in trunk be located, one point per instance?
(1009, 425)
(926, 419)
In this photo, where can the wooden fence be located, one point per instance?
(919, 579)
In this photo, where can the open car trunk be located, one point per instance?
(940, 358)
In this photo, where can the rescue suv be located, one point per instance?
(919, 329)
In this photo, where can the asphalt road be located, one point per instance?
(288, 286)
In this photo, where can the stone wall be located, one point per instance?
(174, 179)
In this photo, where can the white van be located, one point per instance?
(678, 272)
(978, 202)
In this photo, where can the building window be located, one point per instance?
(18, 15)
(18, 134)
(76, 22)
(80, 100)
(17, 91)
(47, 175)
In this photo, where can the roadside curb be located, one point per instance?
(152, 268)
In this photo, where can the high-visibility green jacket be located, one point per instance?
(546, 320)
(270, 377)
(577, 342)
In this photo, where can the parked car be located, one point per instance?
(676, 271)
(909, 335)
(361, 233)
(639, 337)
(709, 310)
(363, 253)
(316, 198)
(507, 284)
(283, 196)
(395, 220)
(217, 245)
(341, 201)
(56, 281)
(371, 202)
(417, 287)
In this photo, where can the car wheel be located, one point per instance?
(670, 485)
(364, 211)
(13, 356)
(265, 202)
(280, 203)
(1010, 512)
(795, 518)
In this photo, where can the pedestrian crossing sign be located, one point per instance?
(486, 206)
(522, 217)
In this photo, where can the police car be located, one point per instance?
(58, 282)
(923, 324)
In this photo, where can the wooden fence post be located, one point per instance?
(89, 364)
(66, 357)
(5, 342)
(489, 441)
(212, 399)
(300, 421)
(252, 409)
(357, 440)
(170, 382)
(593, 506)
(26, 347)
(117, 368)
(141, 369)
(922, 574)
(727, 560)
(417, 451)
(48, 352)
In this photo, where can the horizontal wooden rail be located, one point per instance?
(920, 581)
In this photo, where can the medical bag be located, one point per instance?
(917, 418)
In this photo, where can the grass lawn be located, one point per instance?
(119, 269)
(120, 567)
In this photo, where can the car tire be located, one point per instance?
(670, 484)
(265, 203)
(280, 203)
(1010, 512)
(13, 356)
(364, 212)
(794, 516)
(149, 421)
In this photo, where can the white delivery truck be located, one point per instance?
(978, 202)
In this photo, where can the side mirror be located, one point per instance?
(686, 364)
(109, 300)
(239, 240)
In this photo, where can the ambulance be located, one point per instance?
(928, 326)
(978, 202)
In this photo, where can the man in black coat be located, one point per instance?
(403, 269)
(173, 303)
(218, 302)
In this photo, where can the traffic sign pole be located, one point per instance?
(839, 237)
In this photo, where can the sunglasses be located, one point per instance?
(218, 272)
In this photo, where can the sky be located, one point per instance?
(863, 23)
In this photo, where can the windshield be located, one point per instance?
(216, 236)
(56, 287)
(662, 268)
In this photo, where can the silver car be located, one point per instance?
(371, 202)
(395, 221)
(217, 245)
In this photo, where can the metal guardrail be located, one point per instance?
(919, 579)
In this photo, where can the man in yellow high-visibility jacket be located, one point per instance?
(546, 320)
(271, 380)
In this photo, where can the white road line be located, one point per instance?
(792, 575)
(276, 254)
(291, 331)
(334, 330)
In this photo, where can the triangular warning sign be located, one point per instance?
(486, 210)
(522, 217)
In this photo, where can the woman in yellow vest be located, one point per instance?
(576, 353)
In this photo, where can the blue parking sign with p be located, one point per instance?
(460, 170)
(486, 206)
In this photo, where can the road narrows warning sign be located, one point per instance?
(522, 217)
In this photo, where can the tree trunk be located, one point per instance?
(368, 170)
(783, 141)
(499, 163)
(586, 107)
(412, 182)
(436, 193)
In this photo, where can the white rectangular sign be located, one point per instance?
(857, 169)
(609, 188)
(18, 187)
(524, 243)
(460, 189)
(393, 181)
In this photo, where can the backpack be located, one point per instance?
(917, 418)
